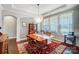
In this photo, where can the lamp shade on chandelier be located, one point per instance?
(38, 18)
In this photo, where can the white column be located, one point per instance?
(18, 29)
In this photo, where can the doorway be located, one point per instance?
(10, 26)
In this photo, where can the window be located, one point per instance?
(45, 25)
(66, 23)
(61, 23)
(54, 24)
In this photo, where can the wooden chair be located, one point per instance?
(71, 37)
(12, 46)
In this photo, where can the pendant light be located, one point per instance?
(38, 18)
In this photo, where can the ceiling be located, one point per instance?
(31, 9)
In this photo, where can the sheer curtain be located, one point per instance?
(66, 23)
(54, 24)
(46, 25)
(60, 23)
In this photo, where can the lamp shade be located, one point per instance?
(38, 19)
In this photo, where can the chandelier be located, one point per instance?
(38, 18)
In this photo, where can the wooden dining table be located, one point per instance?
(37, 40)
(36, 37)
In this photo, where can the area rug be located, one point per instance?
(21, 48)
(55, 48)
(59, 50)
(71, 48)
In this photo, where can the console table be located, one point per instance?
(3, 43)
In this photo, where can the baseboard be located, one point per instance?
(12, 37)
(21, 39)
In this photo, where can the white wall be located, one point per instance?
(1, 18)
(24, 29)
(0, 21)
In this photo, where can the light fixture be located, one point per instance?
(24, 24)
(39, 17)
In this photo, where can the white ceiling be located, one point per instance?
(31, 9)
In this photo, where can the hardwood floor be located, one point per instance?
(12, 46)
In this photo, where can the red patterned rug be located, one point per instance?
(56, 47)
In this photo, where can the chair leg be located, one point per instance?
(74, 41)
(64, 38)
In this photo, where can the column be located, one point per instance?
(18, 29)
